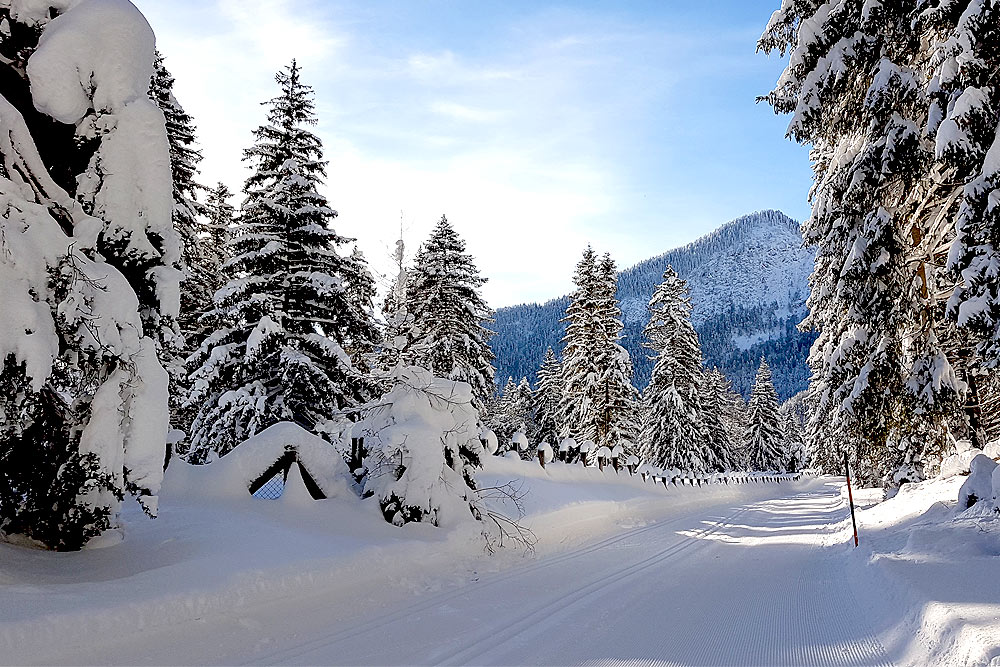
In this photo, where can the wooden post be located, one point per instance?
(850, 497)
(541, 458)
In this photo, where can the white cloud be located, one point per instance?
(529, 145)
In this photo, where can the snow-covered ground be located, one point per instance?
(931, 574)
(623, 571)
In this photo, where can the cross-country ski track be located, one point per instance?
(759, 583)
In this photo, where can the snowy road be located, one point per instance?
(730, 585)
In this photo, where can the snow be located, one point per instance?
(407, 434)
(742, 574)
(545, 449)
(86, 58)
(230, 476)
(98, 57)
(931, 572)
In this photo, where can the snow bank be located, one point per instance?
(230, 477)
(934, 576)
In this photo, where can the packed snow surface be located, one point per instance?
(625, 572)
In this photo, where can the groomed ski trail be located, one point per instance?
(753, 584)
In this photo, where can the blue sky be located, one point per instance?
(536, 127)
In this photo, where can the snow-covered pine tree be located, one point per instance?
(615, 400)
(546, 399)
(289, 318)
(446, 326)
(717, 403)
(359, 283)
(500, 414)
(895, 100)
(219, 219)
(89, 271)
(765, 436)
(674, 432)
(199, 261)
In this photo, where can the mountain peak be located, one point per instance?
(748, 281)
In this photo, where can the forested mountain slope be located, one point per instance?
(749, 283)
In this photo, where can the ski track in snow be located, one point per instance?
(750, 585)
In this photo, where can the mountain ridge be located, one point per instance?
(749, 283)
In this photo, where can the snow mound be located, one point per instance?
(231, 476)
(979, 486)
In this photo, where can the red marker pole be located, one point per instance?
(850, 497)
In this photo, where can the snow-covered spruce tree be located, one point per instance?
(546, 400)
(580, 345)
(765, 436)
(289, 319)
(674, 433)
(599, 402)
(219, 218)
(445, 329)
(616, 399)
(896, 100)
(721, 438)
(88, 270)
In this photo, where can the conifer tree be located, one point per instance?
(599, 402)
(895, 100)
(219, 219)
(501, 414)
(394, 310)
(794, 443)
(616, 400)
(290, 319)
(546, 400)
(200, 271)
(445, 328)
(674, 433)
(580, 345)
(765, 437)
(717, 402)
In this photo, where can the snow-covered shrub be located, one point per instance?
(423, 447)
(979, 486)
(958, 463)
(992, 449)
(87, 268)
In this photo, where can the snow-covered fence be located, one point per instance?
(678, 478)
